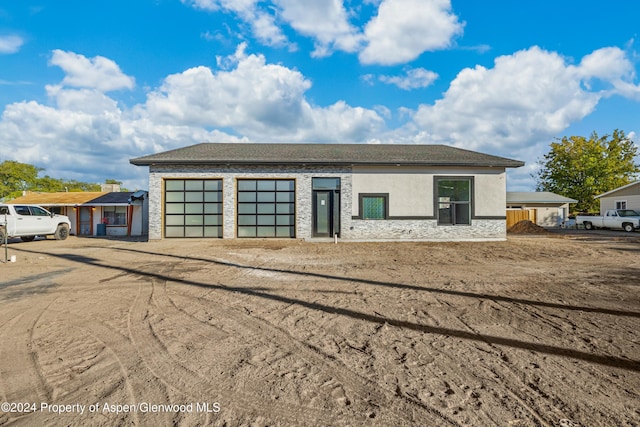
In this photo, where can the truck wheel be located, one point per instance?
(27, 238)
(1, 235)
(62, 232)
(628, 227)
(588, 226)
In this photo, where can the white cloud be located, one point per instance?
(248, 100)
(97, 73)
(401, 31)
(10, 44)
(252, 95)
(415, 78)
(611, 65)
(606, 63)
(514, 108)
(81, 100)
(337, 123)
(262, 101)
(214, 5)
(91, 145)
(404, 29)
(326, 21)
(262, 22)
(526, 96)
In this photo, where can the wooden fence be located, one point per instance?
(514, 216)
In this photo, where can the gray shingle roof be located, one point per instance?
(324, 154)
(113, 198)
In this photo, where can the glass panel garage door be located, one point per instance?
(193, 208)
(266, 208)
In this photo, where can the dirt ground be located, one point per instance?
(535, 331)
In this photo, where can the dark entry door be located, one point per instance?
(326, 213)
(84, 223)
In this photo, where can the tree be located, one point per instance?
(583, 168)
(16, 177)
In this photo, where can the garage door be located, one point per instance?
(266, 208)
(193, 208)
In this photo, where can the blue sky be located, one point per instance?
(85, 86)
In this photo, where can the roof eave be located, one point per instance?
(143, 162)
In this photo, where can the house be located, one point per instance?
(543, 208)
(111, 213)
(625, 197)
(308, 191)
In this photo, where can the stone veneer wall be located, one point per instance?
(229, 174)
(351, 229)
(426, 230)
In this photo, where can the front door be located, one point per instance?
(326, 206)
(326, 213)
(84, 223)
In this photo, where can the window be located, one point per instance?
(4, 210)
(266, 208)
(454, 201)
(621, 204)
(374, 206)
(36, 211)
(23, 210)
(193, 208)
(114, 215)
(325, 183)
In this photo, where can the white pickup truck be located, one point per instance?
(626, 219)
(29, 221)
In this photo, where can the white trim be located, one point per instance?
(617, 189)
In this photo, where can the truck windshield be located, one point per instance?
(628, 212)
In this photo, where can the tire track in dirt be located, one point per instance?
(199, 388)
(548, 395)
(516, 383)
(450, 376)
(395, 408)
(20, 371)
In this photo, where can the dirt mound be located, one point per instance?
(526, 227)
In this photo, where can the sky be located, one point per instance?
(85, 86)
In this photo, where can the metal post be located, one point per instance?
(6, 233)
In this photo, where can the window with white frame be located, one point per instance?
(621, 204)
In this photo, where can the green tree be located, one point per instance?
(47, 184)
(583, 168)
(16, 177)
(73, 185)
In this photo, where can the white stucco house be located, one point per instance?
(625, 197)
(108, 213)
(314, 191)
(549, 209)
